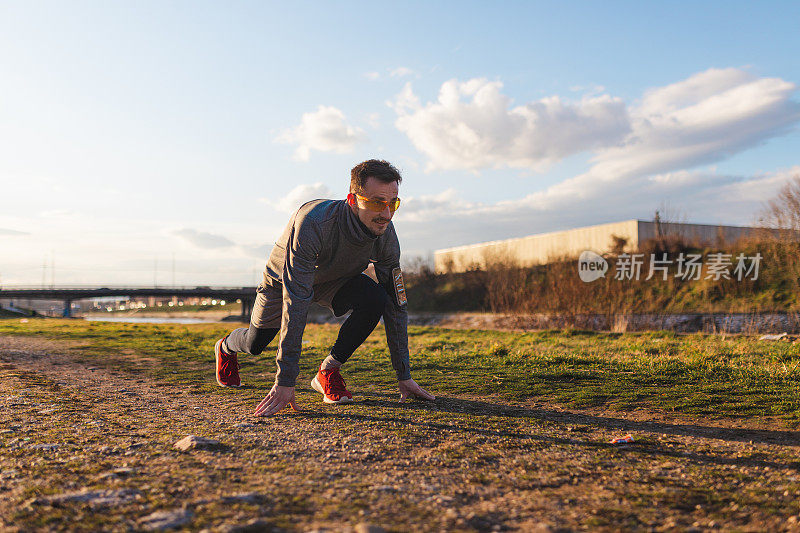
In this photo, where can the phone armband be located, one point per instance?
(399, 286)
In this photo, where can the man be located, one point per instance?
(321, 257)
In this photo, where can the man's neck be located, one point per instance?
(364, 227)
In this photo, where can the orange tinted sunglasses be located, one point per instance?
(379, 205)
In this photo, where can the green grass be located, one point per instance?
(693, 374)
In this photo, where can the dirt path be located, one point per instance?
(85, 447)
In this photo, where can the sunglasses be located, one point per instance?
(379, 205)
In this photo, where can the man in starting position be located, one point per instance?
(321, 257)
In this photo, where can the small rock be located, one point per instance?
(45, 447)
(194, 442)
(368, 528)
(244, 425)
(254, 526)
(774, 337)
(117, 473)
(247, 497)
(161, 520)
(8, 474)
(96, 498)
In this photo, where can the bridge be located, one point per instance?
(70, 294)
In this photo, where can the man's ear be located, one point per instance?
(351, 199)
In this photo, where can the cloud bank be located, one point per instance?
(12, 232)
(324, 130)
(298, 196)
(202, 239)
(473, 125)
(705, 118)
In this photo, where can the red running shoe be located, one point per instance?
(330, 384)
(227, 366)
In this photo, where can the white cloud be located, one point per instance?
(401, 72)
(372, 76)
(473, 126)
(699, 120)
(374, 120)
(591, 89)
(324, 130)
(57, 213)
(202, 239)
(425, 207)
(255, 250)
(12, 232)
(705, 118)
(298, 196)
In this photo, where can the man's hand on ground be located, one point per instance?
(409, 389)
(278, 398)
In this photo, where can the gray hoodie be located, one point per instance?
(323, 246)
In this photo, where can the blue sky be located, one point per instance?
(132, 133)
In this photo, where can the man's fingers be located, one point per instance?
(261, 403)
(264, 402)
(266, 409)
(267, 404)
(276, 407)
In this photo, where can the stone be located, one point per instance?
(117, 473)
(247, 497)
(368, 528)
(45, 447)
(253, 526)
(191, 442)
(96, 498)
(161, 520)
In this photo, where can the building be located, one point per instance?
(546, 247)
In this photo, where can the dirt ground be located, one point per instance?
(87, 446)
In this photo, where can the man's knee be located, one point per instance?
(258, 339)
(374, 299)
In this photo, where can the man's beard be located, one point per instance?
(381, 227)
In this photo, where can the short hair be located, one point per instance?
(372, 168)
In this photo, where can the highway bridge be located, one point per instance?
(71, 294)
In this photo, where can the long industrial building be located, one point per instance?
(546, 247)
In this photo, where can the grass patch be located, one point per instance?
(693, 374)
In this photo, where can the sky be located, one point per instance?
(169, 142)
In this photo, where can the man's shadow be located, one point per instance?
(447, 404)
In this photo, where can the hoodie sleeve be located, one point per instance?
(395, 315)
(302, 249)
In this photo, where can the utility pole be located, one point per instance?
(173, 270)
(53, 270)
(155, 271)
(44, 271)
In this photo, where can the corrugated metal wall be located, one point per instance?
(543, 248)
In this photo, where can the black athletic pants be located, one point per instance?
(366, 298)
